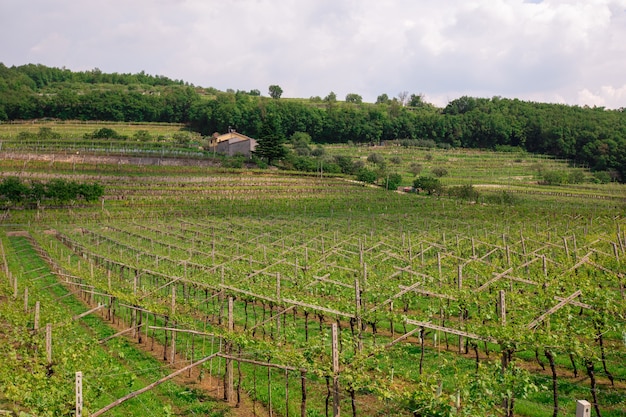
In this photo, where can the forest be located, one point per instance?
(589, 137)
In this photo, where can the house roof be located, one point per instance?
(232, 137)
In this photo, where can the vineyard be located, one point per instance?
(265, 294)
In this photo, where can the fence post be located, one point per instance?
(37, 308)
(79, 394)
(49, 342)
(335, 355)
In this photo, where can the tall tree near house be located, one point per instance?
(270, 144)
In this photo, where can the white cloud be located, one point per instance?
(551, 50)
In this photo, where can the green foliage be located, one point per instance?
(104, 133)
(142, 136)
(587, 136)
(301, 142)
(15, 192)
(576, 177)
(366, 175)
(415, 168)
(347, 164)
(439, 171)
(554, 177)
(354, 98)
(429, 185)
(270, 143)
(275, 91)
(465, 192)
(318, 151)
(376, 159)
(396, 160)
(47, 133)
(392, 181)
(602, 177)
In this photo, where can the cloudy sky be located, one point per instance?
(567, 51)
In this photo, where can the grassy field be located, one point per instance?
(73, 129)
(290, 247)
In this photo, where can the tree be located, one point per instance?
(275, 91)
(354, 98)
(416, 100)
(367, 176)
(393, 181)
(331, 97)
(403, 97)
(428, 184)
(382, 99)
(270, 144)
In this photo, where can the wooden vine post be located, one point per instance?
(49, 343)
(502, 307)
(36, 323)
(79, 394)
(335, 357)
(229, 374)
(359, 325)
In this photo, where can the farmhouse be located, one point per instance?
(233, 143)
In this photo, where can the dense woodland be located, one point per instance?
(592, 137)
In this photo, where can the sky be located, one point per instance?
(555, 51)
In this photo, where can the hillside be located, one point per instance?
(590, 137)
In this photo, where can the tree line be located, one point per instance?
(592, 137)
(15, 192)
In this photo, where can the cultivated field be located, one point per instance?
(308, 295)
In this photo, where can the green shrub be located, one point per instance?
(393, 181)
(415, 168)
(429, 185)
(367, 176)
(602, 177)
(439, 172)
(465, 192)
(376, 159)
(554, 178)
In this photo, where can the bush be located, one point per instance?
(602, 177)
(576, 177)
(395, 160)
(318, 151)
(465, 192)
(366, 175)
(142, 136)
(415, 168)
(429, 185)
(58, 190)
(376, 159)
(439, 172)
(393, 181)
(554, 178)
(104, 133)
(47, 133)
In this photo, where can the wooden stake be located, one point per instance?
(26, 300)
(37, 307)
(49, 343)
(502, 307)
(357, 299)
(229, 388)
(79, 394)
(335, 369)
